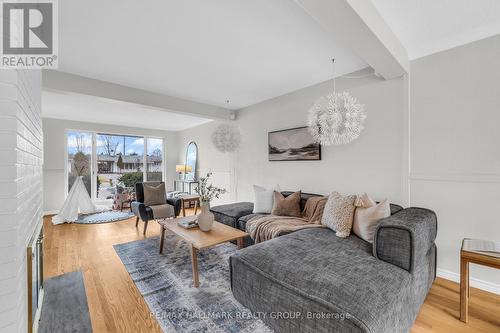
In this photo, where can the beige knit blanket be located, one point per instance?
(262, 228)
(162, 211)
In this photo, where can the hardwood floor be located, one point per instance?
(116, 305)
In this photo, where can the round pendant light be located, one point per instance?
(336, 119)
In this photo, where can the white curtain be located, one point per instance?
(78, 201)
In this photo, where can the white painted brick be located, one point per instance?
(21, 159)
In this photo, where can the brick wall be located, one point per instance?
(21, 158)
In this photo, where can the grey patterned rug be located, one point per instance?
(165, 282)
(104, 217)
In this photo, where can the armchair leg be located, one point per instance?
(136, 221)
(145, 227)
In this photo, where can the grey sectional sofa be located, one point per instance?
(314, 281)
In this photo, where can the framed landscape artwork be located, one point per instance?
(295, 144)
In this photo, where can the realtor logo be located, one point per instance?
(29, 34)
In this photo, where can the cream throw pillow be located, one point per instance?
(338, 214)
(368, 216)
(264, 199)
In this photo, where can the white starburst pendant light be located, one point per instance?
(336, 119)
(226, 137)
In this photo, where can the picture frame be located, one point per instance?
(293, 144)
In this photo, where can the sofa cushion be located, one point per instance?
(314, 269)
(230, 213)
(242, 222)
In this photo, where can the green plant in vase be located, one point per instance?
(207, 192)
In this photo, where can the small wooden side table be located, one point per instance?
(476, 252)
(187, 198)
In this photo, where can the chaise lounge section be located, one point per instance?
(314, 281)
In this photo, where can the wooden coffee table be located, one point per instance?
(200, 240)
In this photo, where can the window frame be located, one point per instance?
(93, 163)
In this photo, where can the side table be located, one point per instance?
(477, 252)
(186, 198)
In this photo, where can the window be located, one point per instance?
(115, 160)
(119, 162)
(154, 159)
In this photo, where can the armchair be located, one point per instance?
(145, 213)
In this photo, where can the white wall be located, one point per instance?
(455, 160)
(209, 159)
(54, 154)
(21, 146)
(373, 163)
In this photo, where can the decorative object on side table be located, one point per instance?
(479, 252)
(294, 144)
(336, 119)
(182, 169)
(207, 193)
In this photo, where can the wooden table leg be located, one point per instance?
(464, 290)
(240, 242)
(183, 208)
(194, 266)
(162, 239)
(196, 207)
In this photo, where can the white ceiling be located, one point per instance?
(429, 26)
(93, 109)
(206, 51)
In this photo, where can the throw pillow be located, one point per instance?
(289, 206)
(264, 199)
(339, 213)
(154, 194)
(365, 201)
(366, 219)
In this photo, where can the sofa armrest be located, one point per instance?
(139, 210)
(405, 238)
(177, 203)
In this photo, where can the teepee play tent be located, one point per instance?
(77, 202)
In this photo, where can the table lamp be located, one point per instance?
(182, 169)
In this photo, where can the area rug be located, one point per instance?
(65, 307)
(165, 282)
(104, 217)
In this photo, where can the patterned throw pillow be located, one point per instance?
(339, 213)
(289, 206)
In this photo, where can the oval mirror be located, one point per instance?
(191, 157)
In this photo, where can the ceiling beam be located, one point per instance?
(61, 81)
(358, 25)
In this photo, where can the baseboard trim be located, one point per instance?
(476, 283)
(50, 212)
